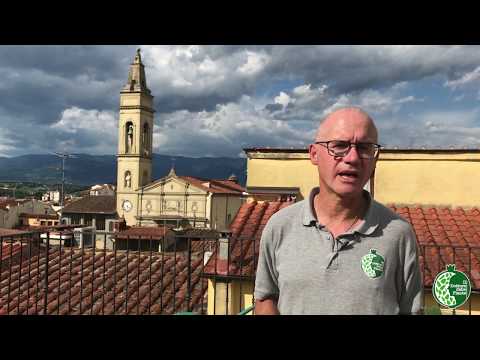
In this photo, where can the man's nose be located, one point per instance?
(352, 155)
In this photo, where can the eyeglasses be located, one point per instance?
(341, 148)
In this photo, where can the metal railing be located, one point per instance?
(54, 273)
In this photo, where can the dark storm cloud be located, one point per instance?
(347, 68)
(38, 83)
(102, 62)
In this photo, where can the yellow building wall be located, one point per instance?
(428, 179)
(296, 171)
(240, 296)
(445, 178)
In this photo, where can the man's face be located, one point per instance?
(345, 176)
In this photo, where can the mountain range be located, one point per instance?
(86, 169)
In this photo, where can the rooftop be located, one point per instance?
(102, 204)
(39, 216)
(444, 235)
(246, 228)
(144, 232)
(102, 283)
(215, 186)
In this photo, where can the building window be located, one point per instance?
(145, 177)
(146, 140)
(100, 223)
(42, 223)
(76, 220)
(88, 220)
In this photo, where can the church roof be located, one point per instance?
(101, 204)
(215, 186)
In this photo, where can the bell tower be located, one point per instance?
(135, 135)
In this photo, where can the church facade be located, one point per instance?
(173, 199)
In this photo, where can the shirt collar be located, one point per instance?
(309, 218)
(367, 227)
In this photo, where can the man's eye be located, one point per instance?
(340, 145)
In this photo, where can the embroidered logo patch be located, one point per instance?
(372, 264)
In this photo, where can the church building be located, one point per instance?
(173, 199)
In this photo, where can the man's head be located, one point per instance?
(345, 175)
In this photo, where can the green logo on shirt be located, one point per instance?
(372, 264)
(451, 288)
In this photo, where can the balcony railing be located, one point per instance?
(55, 273)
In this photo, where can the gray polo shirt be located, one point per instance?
(372, 269)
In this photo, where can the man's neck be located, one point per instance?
(329, 207)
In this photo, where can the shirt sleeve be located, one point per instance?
(266, 281)
(411, 299)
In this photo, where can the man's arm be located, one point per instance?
(266, 282)
(266, 307)
(411, 301)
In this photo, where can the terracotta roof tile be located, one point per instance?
(134, 283)
(452, 230)
(246, 228)
(445, 235)
(102, 204)
(146, 232)
(216, 186)
(10, 232)
(37, 216)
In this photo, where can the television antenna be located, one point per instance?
(63, 156)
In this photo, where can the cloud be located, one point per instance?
(309, 103)
(6, 143)
(469, 78)
(433, 129)
(224, 131)
(86, 131)
(60, 92)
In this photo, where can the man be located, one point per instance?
(339, 251)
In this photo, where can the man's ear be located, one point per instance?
(313, 151)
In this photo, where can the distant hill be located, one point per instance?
(93, 169)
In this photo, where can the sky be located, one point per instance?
(217, 100)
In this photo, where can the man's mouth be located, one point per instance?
(348, 175)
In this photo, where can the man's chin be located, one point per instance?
(349, 190)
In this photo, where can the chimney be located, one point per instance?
(223, 244)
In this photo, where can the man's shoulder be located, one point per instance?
(394, 221)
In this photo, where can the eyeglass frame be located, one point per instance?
(350, 144)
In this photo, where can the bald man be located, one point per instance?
(339, 251)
